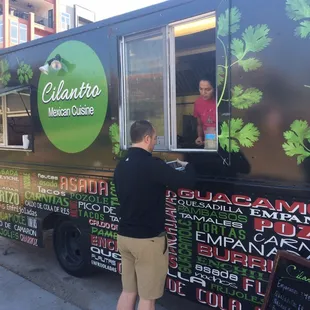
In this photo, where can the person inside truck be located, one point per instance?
(205, 110)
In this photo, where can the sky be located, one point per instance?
(109, 8)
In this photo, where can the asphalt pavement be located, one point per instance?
(17, 293)
(31, 278)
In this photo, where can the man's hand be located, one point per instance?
(182, 163)
(199, 141)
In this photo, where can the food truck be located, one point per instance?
(67, 103)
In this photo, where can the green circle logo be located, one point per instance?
(72, 96)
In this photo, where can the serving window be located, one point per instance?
(144, 87)
(15, 120)
(169, 78)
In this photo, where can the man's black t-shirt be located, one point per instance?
(141, 181)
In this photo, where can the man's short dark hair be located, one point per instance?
(140, 129)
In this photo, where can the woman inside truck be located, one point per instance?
(205, 110)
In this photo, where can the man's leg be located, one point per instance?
(127, 301)
(145, 304)
(151, 270)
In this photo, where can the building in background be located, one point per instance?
(26, 20)
(75, 16)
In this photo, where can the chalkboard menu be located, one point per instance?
(289, 286)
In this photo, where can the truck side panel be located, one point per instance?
(223, 236)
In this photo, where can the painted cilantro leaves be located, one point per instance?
(224, 19)
(303, 30)
(5, 75)
(24, 73)
(220, 75)
(299, 133)
(250, 64)
(115, 139)
(254, 39)
(244, 49)
(244, 99)
(295, 140)
(237, 48)
(116, 149)
(239, 135)
(299, 10)
(114, 133)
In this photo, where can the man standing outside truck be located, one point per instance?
(141, 182)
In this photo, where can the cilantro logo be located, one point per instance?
(72, 96)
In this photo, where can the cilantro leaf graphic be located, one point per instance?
(114, 133)
(220, 75)
(250, 64)
(24, 73)
(253, 40)
(243, 99)
(4, 65)
(294, 145)
(256, 38)
(237, 48)
(303, 30)
(248, 135)
(298, 9)
(5, 74)
(240, 134)
(116, 149)
(223, 22)
(115, 139)
(224, 137)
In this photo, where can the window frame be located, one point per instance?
(14, 23)
(3, 143)
(173, 99)
(1, 31)
(5, 115)
(161, 31)
(67, 21)
(169, 80)
(21, 28)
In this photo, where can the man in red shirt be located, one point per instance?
(205, 110)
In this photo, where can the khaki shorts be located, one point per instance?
(144, 265)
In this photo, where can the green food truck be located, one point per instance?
(66, 105)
